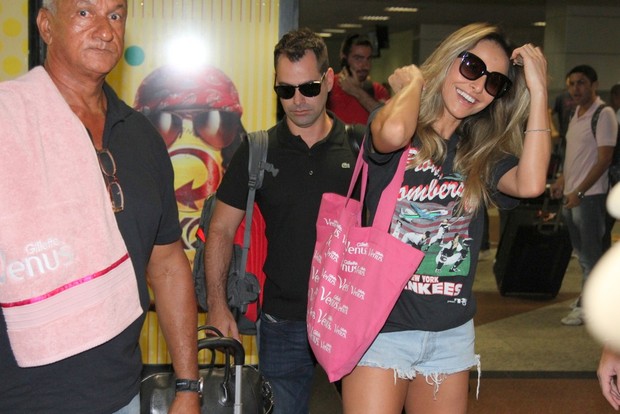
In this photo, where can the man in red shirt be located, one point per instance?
(354, 95)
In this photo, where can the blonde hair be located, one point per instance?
(484, 137)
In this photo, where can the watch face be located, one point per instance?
(189, 385)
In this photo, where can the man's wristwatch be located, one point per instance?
(189, 385)
(580, 195)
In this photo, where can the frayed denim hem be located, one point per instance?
(435, 378)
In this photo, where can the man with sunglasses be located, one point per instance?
(354, 95)
(310, 150)
(127, 204)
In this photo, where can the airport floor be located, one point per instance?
(531, 363)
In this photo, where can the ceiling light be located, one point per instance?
(375, 18)
(323, 34)
(401, 9)
(539, 24)
(350, 25)
(334, 30)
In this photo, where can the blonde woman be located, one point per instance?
(464, 117)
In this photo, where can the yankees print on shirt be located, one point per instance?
(426, 217)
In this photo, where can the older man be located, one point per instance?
(88, 309)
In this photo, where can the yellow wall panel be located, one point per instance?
(236, 37)
(13, 38)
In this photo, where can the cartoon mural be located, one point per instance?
(198, 113)
(185, 67)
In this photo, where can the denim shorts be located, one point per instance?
(432, 354)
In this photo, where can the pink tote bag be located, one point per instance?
(357, 275)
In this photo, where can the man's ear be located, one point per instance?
(44, 25)
(329, 76)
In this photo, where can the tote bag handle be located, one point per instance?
(387, 203)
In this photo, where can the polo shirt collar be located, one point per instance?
(118, 111)
(334, 137)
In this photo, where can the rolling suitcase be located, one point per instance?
(533, 251)
(227, 389)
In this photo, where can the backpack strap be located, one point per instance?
(257, 161)
(355, 134)
(595, 116)
(258, 142)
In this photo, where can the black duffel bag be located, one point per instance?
(223, 384)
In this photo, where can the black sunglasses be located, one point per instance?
(472, 68)
(308, 89)
(108, 168)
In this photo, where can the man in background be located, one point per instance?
(354, 95)
(584, 181)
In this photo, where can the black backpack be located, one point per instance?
(243, 288)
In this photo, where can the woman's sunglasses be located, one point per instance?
(309, 89)
(472, 68)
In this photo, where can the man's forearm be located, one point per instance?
(169, 275)
(178, 319)
(597, 170)
(218, 253)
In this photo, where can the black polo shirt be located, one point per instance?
(289, 203)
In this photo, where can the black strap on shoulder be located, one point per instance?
(257, 161)
(355, 134)
(595, 116)
(258, 142)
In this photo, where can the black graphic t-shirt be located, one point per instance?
(439, 294)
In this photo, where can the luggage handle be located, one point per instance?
(548, 226)
(228, 344)
(220, 341)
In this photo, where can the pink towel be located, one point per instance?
(66, 281)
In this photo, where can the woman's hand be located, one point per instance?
(534, 66)
(403, 76)
(608, 370)
(397, 120)
(529, 178)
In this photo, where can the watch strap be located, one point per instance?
(188, 385)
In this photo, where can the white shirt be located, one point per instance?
(582, 147)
